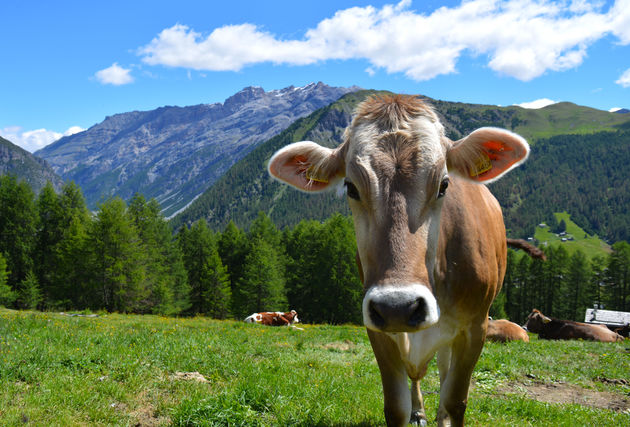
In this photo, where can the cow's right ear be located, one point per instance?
(307, 166)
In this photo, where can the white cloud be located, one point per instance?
(519, 38)
(33, 140)
(114, 75)
(624, 80)
(539, 103)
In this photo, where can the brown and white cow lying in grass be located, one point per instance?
(430, 237)
(502, 330)
(555, 329)
(274, 318)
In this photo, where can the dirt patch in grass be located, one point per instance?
(562, 393)
(345, 345)
(189, 376)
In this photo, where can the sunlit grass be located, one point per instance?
(121, 370)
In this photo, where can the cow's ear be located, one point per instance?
(487, 154)
(307, 166)
(545, 319)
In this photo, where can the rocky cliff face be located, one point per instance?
(175, 153)
(23, 165)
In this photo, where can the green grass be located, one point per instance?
(122, 370)
(591, 245)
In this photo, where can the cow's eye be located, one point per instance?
(351, 190)
(443, 187)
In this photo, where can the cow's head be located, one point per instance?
(535, 321)
(395, 162)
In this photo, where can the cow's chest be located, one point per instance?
(416, 349)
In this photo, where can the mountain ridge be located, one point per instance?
(174, 153)
(16, 161)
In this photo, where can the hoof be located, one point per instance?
(418, 419)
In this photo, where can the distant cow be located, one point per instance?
(503, 330)
(274, 318)
(554, 329)
(624, 331)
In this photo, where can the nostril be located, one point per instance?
(418, 312)
(376, 317)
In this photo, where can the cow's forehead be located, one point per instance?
(378, 118)
(422, 137)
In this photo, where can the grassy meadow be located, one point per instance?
(591, 245)
(148, 370)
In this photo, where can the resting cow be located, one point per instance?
(554, 329)
(430, 238)
(624, 331)
(502, 330)
(274, 318)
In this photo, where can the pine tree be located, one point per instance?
(29, 296)
(71, 273)
(261, 287)
(618, 289)
(233, 247)
(209, 282)
(17, 227)
(118, 267)
(578, 277)
(49, 233)
(7, 296)
(165, 273)
(322, 278)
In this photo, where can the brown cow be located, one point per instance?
(624, 331)
(503, 330)
(273, 318)
(431, 240)
(554, 329)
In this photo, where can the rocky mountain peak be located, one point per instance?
(174, 153)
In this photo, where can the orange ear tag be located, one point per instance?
(313, 177)
(482, 164)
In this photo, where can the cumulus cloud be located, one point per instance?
(33, 140)
(114, 75)
(624, 80)
(519, 38)
(539, 103)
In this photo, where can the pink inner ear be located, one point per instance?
(502, 156)
(293, 171)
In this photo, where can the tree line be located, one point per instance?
(56, 255)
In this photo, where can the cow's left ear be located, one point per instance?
(308, 166)
(487, 154)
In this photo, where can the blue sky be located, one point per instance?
(66, 65)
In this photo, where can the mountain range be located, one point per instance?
(25, 166)
(173, 154)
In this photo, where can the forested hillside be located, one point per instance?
(584, 175)
(580, 173)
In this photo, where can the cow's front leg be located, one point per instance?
(418, 416)
(465, 352)
(396, 393)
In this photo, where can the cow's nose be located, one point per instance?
(399, 308)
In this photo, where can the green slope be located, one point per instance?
(246, 188)
(574, 238)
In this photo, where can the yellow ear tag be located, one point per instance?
(482, 164)
(313, 177)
